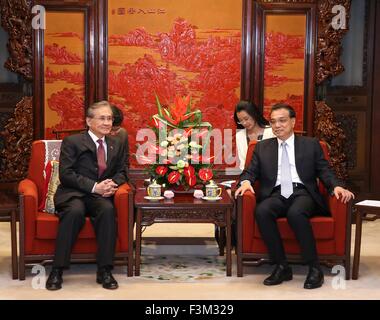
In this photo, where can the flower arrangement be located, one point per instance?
(181, 144)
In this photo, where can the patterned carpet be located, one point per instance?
(182, 268)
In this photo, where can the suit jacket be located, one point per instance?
(78, 166)
(310, 165)
(123, 137)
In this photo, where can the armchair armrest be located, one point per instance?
(245, 219)
(27, 189)
(342, 221)
(123, 202)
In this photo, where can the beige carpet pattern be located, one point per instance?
(79, 281)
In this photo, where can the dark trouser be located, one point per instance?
(298, 209)
(72, 217)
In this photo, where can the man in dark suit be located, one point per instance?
(288, 167)
(91, 168)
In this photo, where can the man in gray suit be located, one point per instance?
(287, 168)
(91, 167)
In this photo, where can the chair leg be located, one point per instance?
(21, 268)
(130, 265)
(347, 266)
(239, 266)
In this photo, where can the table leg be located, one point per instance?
(14, 245)
(228, 249)
(222, 240)
(138, 243)
(358, 238)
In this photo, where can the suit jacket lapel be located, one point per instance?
(110, 150)
(89, 143)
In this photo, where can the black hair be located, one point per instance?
(277, 106)
(252, 110)
(118, 116)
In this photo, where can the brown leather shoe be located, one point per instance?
(279, 275)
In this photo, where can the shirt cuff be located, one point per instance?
(93, 188)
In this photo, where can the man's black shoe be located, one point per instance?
(279, 274)
(314, 278)
(105, 278)
(54, 282)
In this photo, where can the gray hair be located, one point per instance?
(90, 110)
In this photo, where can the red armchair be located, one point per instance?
(332, 234)
(38, 230)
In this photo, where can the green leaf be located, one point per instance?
(156, 116)
(158, 105)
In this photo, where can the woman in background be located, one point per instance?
(251, 125)
(119, 132)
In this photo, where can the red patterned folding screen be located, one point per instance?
(64, 55)
(284, 63)
(284, 42)
(174, 48)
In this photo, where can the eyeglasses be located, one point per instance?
(243, 121)
(280, 121)
(103, 118)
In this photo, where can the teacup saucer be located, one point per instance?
(211, 198)
(153, 198)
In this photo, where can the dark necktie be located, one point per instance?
(101, 154)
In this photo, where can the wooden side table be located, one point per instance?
(361, 212)
(183, 208)
(8, 213)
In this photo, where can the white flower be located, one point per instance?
(193, 144)
(164, 143)
(181, 164)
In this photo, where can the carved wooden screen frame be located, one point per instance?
(253, 52)
(89, 8)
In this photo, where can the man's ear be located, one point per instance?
(293, 122)
(88, 121)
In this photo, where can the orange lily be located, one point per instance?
(179, 112)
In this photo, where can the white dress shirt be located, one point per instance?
(95, 139)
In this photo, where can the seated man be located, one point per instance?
(91, 168)
(288, 167)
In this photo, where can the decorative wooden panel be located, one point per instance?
(174, 48)
(327, 129)
(18, 137)
(64, 66)
(329, 40)
(16, 19)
